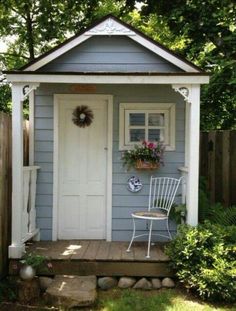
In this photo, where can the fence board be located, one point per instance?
(232, 170)
(226, 162)
(6, 185)
(218, 165)
(5, 190)
(204, 151)
(26, 143)
(211, 164)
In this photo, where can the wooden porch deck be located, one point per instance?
(101, 258)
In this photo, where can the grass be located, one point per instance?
(127, 300)
(162, 300)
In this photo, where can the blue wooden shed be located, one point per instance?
(76, 185)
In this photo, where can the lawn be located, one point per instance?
(162, 300)
(134, 300)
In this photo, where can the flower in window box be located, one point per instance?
(148, 155)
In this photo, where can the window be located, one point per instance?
(146, 121)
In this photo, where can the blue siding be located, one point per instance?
(124, 202)
(110, 54)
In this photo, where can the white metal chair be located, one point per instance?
(162, 194)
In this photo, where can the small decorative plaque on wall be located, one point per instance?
(83, 88)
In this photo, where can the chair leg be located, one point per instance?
(167, 226)
(149, 240)
(128, 249)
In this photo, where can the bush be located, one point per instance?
(204, 259)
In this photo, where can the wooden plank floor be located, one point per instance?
(97, 250)
(101, 258)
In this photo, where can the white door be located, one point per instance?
(82, 170)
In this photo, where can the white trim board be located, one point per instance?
(108, 79)
(109, 99)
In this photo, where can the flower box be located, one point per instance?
(145, 156)
(146, 165)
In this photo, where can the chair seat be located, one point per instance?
(157, 214)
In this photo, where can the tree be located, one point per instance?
(5, 98)
(38, 25)
(209, 30)
(156, 28)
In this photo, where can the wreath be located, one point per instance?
(82, 116)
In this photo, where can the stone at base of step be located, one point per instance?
(72, 291)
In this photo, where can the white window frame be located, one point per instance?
(168, 109)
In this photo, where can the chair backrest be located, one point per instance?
(162, 192)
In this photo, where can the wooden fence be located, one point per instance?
(5, 189)
(218, 165)
(5, 185)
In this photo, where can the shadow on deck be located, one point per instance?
(101, 258)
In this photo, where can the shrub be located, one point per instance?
(204, 259)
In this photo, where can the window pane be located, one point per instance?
(156, 134)
(137, 135)
(156, 119)
(137, 119)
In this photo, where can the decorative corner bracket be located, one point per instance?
(183, 90)
(28, 88)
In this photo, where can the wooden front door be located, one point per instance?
(82, 170)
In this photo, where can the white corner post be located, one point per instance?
(17, 247)
(193, 155)
(31, 128)
(191, 95)
(19, 92)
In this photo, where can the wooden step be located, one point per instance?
(101, 268)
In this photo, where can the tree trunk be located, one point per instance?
(30, 36)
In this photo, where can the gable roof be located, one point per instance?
(110, 25)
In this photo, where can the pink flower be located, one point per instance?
(151, 145)
(144, 143)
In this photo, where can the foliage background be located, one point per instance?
(202, 31)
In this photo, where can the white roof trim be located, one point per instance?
(65, 48)
(111, 27)
(107, 79)
(164, 54)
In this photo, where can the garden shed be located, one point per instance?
(128, 88)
